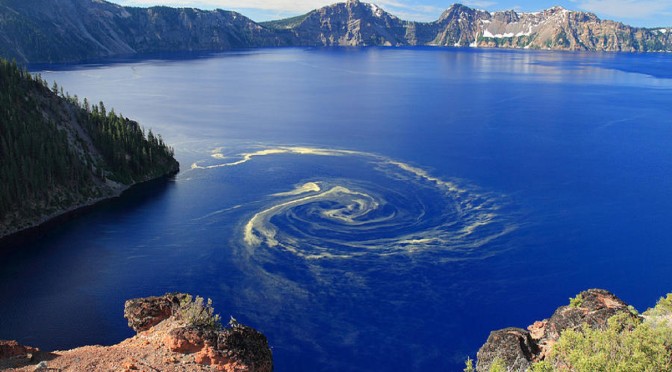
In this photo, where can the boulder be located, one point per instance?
(187, 340)
(518, 348)
(594, 308)
(144, 313)
(513, 346)
(12, 349)
(237, 348)
(247, 346)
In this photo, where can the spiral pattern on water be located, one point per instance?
(397, 209)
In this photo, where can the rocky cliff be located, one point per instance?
(74, 30)
(166, 340)
(605, 334)
(355, 23)
(556, 28)
(346, 24)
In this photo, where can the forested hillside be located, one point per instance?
(57, 153)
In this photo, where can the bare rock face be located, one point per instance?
(144, 313)
(513, 346)
(75, 30)
(518, 348)
(12, 349)
(187, 340)
(237, 348)
(594, 309)
(246, 345)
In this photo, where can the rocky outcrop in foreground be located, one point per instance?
(166, 341)
(518, 348)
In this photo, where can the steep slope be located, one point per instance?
(63, 30)
(348, 24)
(186, 29)
(457, 26)
(556, 28)
(75, 30)
(359, 24)
(58, 155)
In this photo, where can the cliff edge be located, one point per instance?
(174, 333)
(596, 331)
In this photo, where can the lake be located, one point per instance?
(367, 208)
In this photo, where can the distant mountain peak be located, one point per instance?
(74, 30)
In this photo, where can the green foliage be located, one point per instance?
(664, 305)
(660, 318)
(198, 313)
(498, 365)
(37, 161)
(543, 366)
(46, 164)
(626, 344)
(576, 301)
(286, 23)
(130, 155)
(469, 365)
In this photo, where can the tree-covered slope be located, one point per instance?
(75, 30)
(57, 154)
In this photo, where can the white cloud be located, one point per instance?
(629, 9)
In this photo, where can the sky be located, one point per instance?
(641, 13)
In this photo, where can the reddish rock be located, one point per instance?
(210, 356)
(187, 340)
(537, 329)
(129, 365)
(12, 349)
(238, 348)
(166, 346)
(144, 313)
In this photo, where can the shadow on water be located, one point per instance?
(13, 246)
(59, 276)
(163, 57)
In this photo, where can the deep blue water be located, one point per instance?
(398, 206)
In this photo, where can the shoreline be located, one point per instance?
(11, 240)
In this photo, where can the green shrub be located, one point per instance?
(498, 365)
(660, 318)
(198, 313)
(469, 365)
(576, 301)
(664, 305)
(625, 345)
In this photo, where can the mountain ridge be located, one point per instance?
(76, 30)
